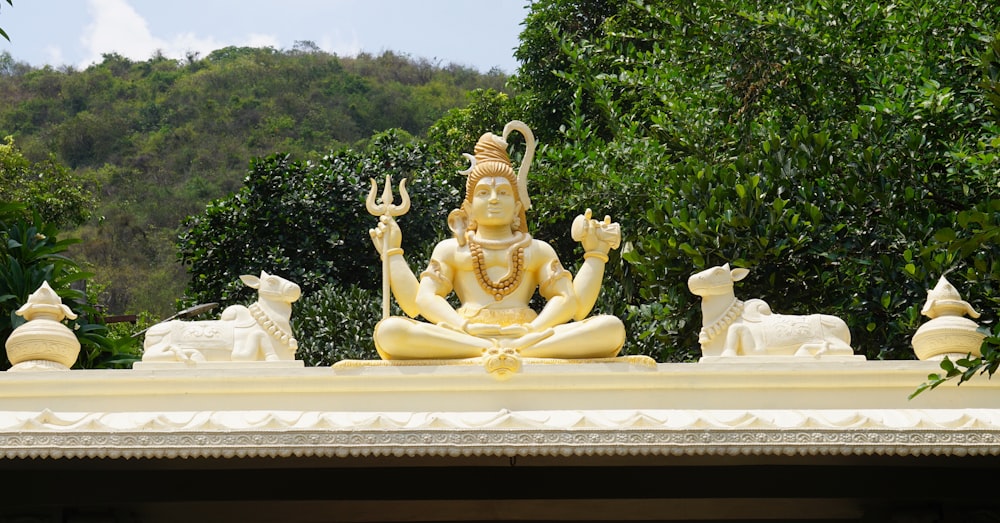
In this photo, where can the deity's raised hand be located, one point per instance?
(594, 235)
(386, 225)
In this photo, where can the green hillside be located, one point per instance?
(158, 139)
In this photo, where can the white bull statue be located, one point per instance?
(731, 327)
(260, 332)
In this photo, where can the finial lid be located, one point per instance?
(44, 302)
(944, 300)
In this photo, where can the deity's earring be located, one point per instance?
(515, 224)
(458, 223)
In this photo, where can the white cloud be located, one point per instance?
(340, 46)
(258, 40)
(118, 28)
(54, 55)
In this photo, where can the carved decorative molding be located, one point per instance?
(503, 433)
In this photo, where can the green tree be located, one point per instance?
(549, 28)
(307, 220)
(974, 238)
(771, 137)
(45, 187)
(336, 322)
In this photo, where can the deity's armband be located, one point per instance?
(552, 276)
(596, 255)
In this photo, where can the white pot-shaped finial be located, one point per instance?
(43, 342)
(949, 332)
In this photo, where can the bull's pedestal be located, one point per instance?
(217, 365)
(757, 360)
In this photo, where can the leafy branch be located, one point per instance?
(965, 368)
(2, 32)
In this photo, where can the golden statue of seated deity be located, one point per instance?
(494, 266)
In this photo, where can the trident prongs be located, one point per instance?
(386, 208)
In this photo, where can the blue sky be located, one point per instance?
(475, 33)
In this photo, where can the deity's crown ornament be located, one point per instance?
(491, 158)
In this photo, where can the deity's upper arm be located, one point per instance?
(553, 279)
(544, 252)
(441, 268)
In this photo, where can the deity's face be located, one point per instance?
(494, 201)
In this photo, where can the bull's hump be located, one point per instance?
(239, 315)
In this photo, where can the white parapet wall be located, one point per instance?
(627, 407)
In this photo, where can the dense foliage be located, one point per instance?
(163, 137)
(335, 322)
(827, 146)
(45, 187)
(977, 232)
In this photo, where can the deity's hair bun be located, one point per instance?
(491, 148)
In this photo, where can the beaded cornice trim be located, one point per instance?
(503, 433)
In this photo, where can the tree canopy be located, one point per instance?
(827, 146)
(45, 187)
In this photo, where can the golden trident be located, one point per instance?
(386, 208)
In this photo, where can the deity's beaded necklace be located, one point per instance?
(507, 284)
